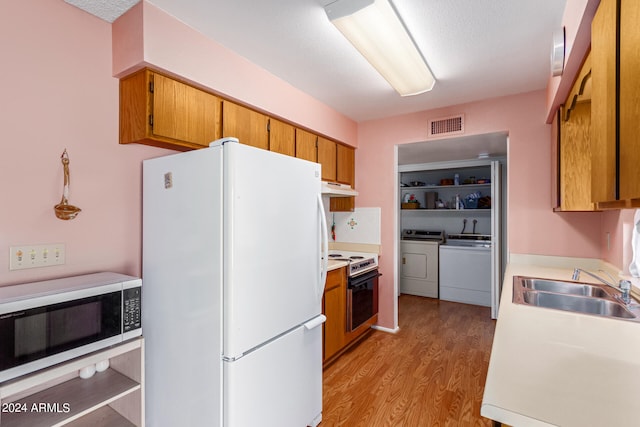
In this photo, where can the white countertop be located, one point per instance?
(551, 367)
(334, 265)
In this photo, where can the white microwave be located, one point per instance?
(49, 322)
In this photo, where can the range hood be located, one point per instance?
(334, 189)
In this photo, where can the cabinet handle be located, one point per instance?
(404, 260)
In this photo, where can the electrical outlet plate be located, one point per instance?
(32, 256)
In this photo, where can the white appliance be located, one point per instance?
(335, 189)
(419, 268)
(233, 243)
(358, 262)
(471, 265)
(465, 269)
(48, 322)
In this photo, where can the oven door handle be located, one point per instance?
(324, 254)
(357, 288)
(356, 281)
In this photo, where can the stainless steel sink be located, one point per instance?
(577, 297)
(563, 287)
(580, 304)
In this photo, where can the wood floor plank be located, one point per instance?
(431, 373)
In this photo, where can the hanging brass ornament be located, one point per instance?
(63, 209)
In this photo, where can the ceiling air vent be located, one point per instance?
(446, 126)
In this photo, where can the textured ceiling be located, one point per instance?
(477, 49)
(109, 10)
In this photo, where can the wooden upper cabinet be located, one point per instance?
(306, 145)
(555, 160)
(603, 103)
(282, 137)
(575, 145)
(249, 126)
(346, 164)
(327, 156)
(162, 111)
(616, 148)
(629, 102)
(345, 174)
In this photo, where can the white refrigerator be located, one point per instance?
(234, 272)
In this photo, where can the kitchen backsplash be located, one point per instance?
(360, 226)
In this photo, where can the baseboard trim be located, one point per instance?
(388, 330)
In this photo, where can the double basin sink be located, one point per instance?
(577, 297)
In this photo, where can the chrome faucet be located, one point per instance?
(623, 286)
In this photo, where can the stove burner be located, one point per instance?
(357, 263)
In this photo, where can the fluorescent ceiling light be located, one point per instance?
(376, 30)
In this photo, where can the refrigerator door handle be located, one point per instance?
(315, 322)
(324, 238)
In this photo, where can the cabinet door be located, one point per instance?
(555, 160)
(249, 126)
(575, 143)
(282, 137)
(335, 311)
(346, 164)
(603, 102)
(161, 111)
(184, 113)
(135, 103)
(306, 145)
(327, 156)
(629, 100)
(345, 173)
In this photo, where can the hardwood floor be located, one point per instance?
(431, 373)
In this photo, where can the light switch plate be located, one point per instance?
(32, 256)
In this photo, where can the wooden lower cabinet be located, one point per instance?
(336, 338)
(335, 307)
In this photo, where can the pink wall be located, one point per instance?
(619, 225)
(58, 92)
(177, 48)
(533, 228)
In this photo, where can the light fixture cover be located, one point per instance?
(378, 33)
(557, 53)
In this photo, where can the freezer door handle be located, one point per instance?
(324, 258)
(315, 322)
